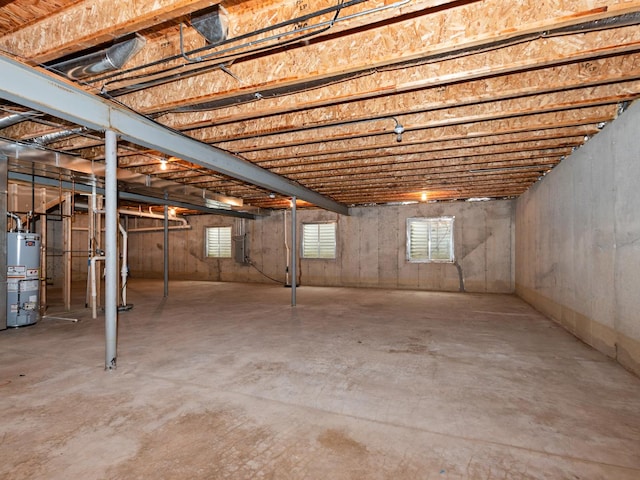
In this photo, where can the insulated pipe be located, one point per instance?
(94, 290)
(294, 273)
(111, 248)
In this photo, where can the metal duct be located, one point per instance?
(48, 138)
(107, 60)
(15, 118)
(212, 25)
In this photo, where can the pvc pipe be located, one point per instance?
(94, 290)
(159, 229)
(111, 249)
(138, 213)
(294, 275)
(166, 249)
(124, 269)
(286, 248)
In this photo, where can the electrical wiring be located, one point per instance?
(336, 8)
(251, 262)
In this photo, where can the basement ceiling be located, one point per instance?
(364, 102)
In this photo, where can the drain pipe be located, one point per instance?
(287, 253)
(294, 273)
(124, 270)
(94, 290)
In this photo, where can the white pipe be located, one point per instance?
(286, 247)
(94, 293)
(124, 270)
(159, 229)
(138, 213)
(294, 250)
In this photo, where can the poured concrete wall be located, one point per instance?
(370, 249)
(578, 242)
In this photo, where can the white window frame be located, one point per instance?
(213, 247)
(431, 240)
(316, 244)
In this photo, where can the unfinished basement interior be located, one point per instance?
(313, 239)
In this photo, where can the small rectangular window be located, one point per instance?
(218, 242)
(319, 240)
(430, 239)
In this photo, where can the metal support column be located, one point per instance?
(3, 242)
(111, 250)
(294, 252)
(166, 250)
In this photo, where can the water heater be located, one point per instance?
(23, 278)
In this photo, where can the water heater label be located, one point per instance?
(16, 271)
(29, 286)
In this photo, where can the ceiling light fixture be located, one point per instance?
(398, 130)
(424, 196)
(163, 164)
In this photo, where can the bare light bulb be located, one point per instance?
(398, 130)
(163, 164)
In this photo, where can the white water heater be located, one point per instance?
(23, 278)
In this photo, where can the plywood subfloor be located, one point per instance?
(227, 381)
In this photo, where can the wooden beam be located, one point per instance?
(491, 143)
(425, 159)
(566, 118)
(254, 24)
(90, 23)
(384, 172)
(295, 129)
(467, 26)
(351, 100)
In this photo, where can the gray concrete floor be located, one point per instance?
(227, 381)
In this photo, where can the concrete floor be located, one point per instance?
(227, 381)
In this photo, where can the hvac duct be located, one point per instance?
(15, 118)
(212, 25)
(53, 137)
(107, 60)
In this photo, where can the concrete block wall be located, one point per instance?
(371, 249)
(578, 242)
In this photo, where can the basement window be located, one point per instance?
(319, 240)
(218, 242)
(430, 239)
